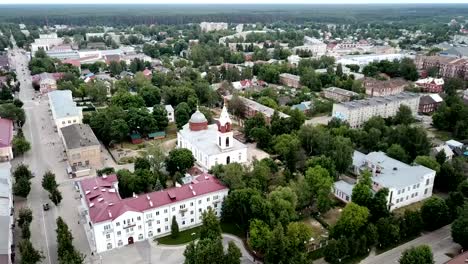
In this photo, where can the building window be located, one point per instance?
(173, 209)
(165, 211)
(69, 122)
(215, 205)
(158, 230)
(150, 224)
(150, 233)
(199, 210)
(219, 141)
(192, 220)
(138, 218)
(107, 236)
(140, 237)
(120, 243)
(107, 227)
(191, 212)
(166, 227)
(425, 191)
(182, 206)
(183, 222)
(199, 201)
(427, 182)
(148, 216)
(191, 203)
(117, 224)
(227, 142)
(109, 246)
(166, 220)
(139, 227)
(157, 213)
(207, 199)
(119, 233)
(158, 222)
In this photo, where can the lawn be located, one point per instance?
(413, 207)
(189, 235)
(184, 237)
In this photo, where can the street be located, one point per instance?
(47, 153)
(440, 242)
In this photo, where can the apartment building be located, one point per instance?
(376, 87)
(115, 222)
(447, 67)
(359, 111)
(338, 94)
(82, 146)
(429, 103)
(431, 85)
(213, 26)
(290, 80)
(406, 184)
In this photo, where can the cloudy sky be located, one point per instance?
(225, 1)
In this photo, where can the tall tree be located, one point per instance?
(174, 228)
(460, 228)
(210, 228)
(434, 213)
(179, 160)
(160, 115)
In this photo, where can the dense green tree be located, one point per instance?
(237, 206)
(259, 235)
(48, 181)
(11, 111)
(411, 224)
(336, 250)
(210, 228)
(160, 115)
(115, 68)
(126, 100)
(150, 94)
(404, 115)
(389, 232)
(205, 251)
(342, 153)
(449, 177)
(179, 160)
(55, 196)
(22, 187)
(97, 91)
(233, 254)
(352, 219)
(310, 79)
(417, 255)
(119, 130)
(25, 216)
(455, 202)
(140, 120)
(452, 85)
(67, 254)
(320, 184)
(287, 146)
(397, 152)
(182, 114)
(20, 145)
(362, 193)
(434, 213)
(441, 157)
(276, 246)
(29, 255)
(174, 228)
(428, 162)
(142, 164)
(460, 228)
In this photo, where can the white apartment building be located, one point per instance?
(64, 109)
(114, 222)
(213, 26)
(406, 184)
(316, 46)
(45, 42)
(359, 111)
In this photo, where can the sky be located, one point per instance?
(229, 1)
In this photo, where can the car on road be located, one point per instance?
(46, 206)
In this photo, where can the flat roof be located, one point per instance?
(78, 136)
(341, 91)
(379, 100)
(63, 104)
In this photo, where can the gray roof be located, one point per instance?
(265, 110)
(78, 136)
(5, 204)
(341, 91)
(379, 100)
(456, 51)
(345, 187)
(290, 76)
(394, 173)
(205, 140)
(63, 104)
(198, 117)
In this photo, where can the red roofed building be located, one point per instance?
(147, 73)
(115, 222)
(6, 136)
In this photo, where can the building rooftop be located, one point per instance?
(460, 259)
(78, 136)
(205, 139)
(371, 83)
(4, 61)
(6, 135)
(62, 103)
(290, 76)
(373, 101)
(341, 91)
(393, 173)
(267, 111)
(105, 204)
(5, 203)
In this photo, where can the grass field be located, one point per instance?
(189, 235)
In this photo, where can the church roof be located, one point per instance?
(224, 117)
(206, 140)
(198, 117)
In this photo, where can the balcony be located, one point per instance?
(183, 210)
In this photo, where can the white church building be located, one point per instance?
(211, 144)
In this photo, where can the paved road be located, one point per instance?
(46, 154)
(440, 241)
